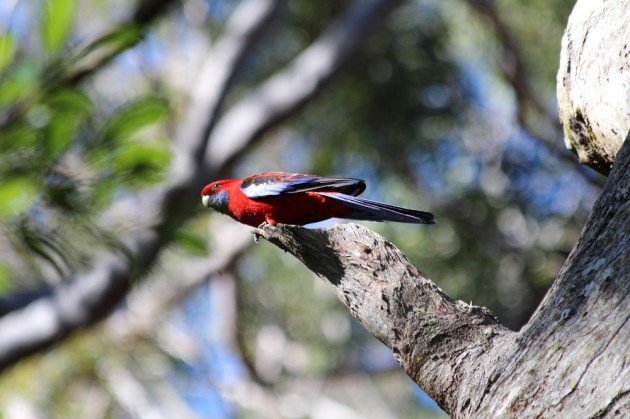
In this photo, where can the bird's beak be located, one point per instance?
(205, 200)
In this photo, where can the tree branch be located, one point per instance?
(459, 354)
(99, 51)
(147, 306)
(434, 338)
(218, 71)
(595, 50)
(88, 298)
(283, 94)
(580, 331)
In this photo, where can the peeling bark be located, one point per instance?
(571, 357)
(593, 84)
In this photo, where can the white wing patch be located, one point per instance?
(265, 189)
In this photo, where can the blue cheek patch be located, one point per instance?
(219, 201)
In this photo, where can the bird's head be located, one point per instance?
(215, 195)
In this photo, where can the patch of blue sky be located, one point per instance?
(375, 356)
(220, 10)
(545, 185)
(297, 154)
(153, 52)
(209, 405)
(216, 363)
(17, 18)
(474, 80)
(423, 398)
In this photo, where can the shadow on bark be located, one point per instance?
(313, 247)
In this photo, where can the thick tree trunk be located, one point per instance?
(572, 356)
(593, 83)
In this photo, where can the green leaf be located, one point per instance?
(18, 84)
(16, 194)
(59, 133)
(70, 100)
(104, 48)
(130, 119)
(103, 191)
(57, 20)
(7, 50)
(121, 38)
(70, 107)
(141, 163)
(16, 137)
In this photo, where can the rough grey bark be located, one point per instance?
(571, 358)
(434, 338)
(593, 85)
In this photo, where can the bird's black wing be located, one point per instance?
(364, 209)
(280, 183)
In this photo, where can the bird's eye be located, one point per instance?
(215, 187)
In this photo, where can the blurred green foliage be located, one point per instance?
(422, 113)
(7, 50)
(56, 22)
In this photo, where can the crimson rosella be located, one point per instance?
(294, 198)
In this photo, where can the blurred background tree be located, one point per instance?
(445, 105)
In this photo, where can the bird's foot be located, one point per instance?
(260, 227)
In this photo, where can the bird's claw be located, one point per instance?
(258, 235)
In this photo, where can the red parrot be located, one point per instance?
(294, 198)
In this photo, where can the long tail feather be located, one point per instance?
(364, 209)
